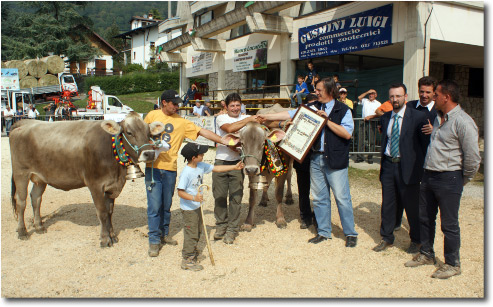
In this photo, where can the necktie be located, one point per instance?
(394, 138)
(317, 145)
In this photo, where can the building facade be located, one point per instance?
(260, 47)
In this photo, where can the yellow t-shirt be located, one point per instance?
(348, 102)
(176, 129)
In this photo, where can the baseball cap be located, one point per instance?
(343, 90)
(191, 150)
(171, 95)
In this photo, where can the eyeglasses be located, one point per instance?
(396, 96)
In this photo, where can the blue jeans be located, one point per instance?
(8, 124)
(322, 179)
(159, 196)
(299, 97)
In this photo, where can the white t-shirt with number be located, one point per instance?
(223, 152)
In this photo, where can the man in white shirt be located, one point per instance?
(8, 114)
(228, 219)
(367, 130)
(32, 113)
(198, 108)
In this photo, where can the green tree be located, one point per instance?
(109, 35)
(155, 13)
(47, 27)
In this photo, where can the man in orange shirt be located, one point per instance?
(385, 107)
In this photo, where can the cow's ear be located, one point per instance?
(156, 128)
(111, 127)
(276, 135)
(231, 139)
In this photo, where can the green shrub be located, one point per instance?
(129, 68)
(135, 82)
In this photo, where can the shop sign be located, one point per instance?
(250, 57)
(367, 30)
(10, 79)
(202, 63)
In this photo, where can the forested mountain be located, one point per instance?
(104, 13)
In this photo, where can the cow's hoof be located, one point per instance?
(289, 201)
(40, 230)
(114, 238)
(282, 225)
(246, 227)
(263, 203)
(22, 234)
(106, 242)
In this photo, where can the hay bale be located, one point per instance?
(36, 68)
(21, 67)
(28, 82)
(4, 64)
(55, 64)
(48, 79)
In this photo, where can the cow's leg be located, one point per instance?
(36, 197)
(21, 183)
(280, 221)
(289, 192)
(265, 197)
(248, 225)
(102, 209)
(110, 204)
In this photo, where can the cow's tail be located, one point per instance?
(14, 203)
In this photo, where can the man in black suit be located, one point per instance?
(426, 87)
(403, 151)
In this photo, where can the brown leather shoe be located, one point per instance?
(153, 250)
(383, 245)
(446, 271)
(418, 260)
(168, 240)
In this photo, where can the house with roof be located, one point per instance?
(101, 64)
(142, 39)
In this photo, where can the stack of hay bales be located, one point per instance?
(38, 72)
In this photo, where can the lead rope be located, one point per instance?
(136, 149)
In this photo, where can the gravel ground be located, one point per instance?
(267, 262)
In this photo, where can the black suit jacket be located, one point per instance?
(430, 114)
(412, 143)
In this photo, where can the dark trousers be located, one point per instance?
(303, 179)
(441, 190)
(396, 193)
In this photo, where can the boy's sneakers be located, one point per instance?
(220, 232)
(190, 263)
(229, 238)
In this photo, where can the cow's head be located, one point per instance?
(253, 138)
(137, 135)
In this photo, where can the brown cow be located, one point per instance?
(252, 138)
(73, 154)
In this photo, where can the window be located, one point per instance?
(476, 83)
(315, 6)
(203, 18)
(134, 55)
(152, 45)
(268, 76)
(240, 31)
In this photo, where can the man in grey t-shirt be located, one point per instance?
(451, 162)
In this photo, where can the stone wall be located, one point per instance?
(472, 105)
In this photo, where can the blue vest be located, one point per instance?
(336, 149)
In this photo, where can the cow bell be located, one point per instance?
(133, 172)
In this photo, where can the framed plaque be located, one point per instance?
(301, 135)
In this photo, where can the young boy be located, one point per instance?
(190, 179)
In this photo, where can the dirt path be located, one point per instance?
(267, 262)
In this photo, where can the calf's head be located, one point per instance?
(253, 138)
(137, 135)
